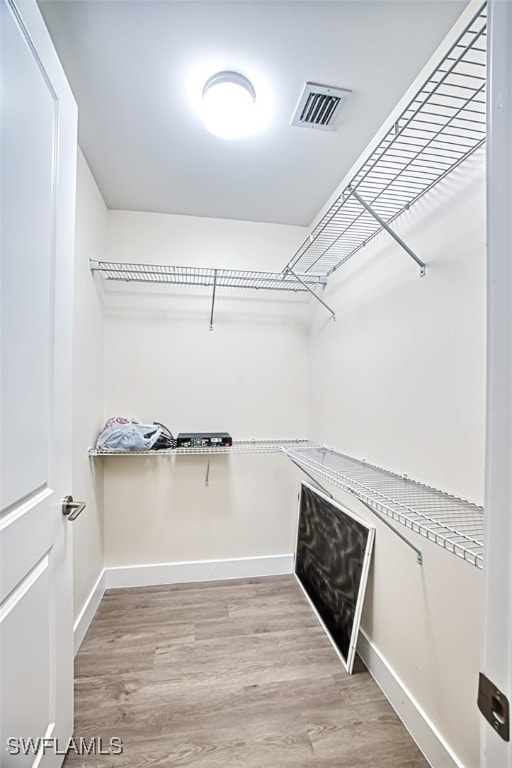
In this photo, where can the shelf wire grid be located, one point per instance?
(453, 523)
(441, 127)
(203, 276)
(239, 446)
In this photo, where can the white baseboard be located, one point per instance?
(201, 570)
(86, 615)
(433, 745)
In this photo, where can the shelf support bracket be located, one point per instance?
(313, 480)
(213, 298)
(382, 518)
(388, 229)
(306, 286)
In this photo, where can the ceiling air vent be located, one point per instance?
(319, 107)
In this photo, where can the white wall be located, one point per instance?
(199, 241)
(399, 379)
(248, 377)
(88, 331)
(159, 510)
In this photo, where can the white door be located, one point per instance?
(38, 161)
(497, 646)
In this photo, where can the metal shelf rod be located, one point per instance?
(301, 281)
(443, 124)
(238, 447)
(213, 305)
(450, 522)
(204, 277)
(419, 556)
(313, 479)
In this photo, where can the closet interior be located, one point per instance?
(353, 360)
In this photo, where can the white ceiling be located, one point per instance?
(135, 67)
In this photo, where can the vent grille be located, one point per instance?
(319, 107)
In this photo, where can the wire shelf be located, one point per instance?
(239, 446)
(453, 523)
(441, 127)
(203, 276)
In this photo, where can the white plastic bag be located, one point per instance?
(123, 435)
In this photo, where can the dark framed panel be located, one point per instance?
(332, 560)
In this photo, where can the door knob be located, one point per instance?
(71, 509)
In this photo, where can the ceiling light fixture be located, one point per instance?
(229, 105)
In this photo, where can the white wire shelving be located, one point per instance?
(207, 277)
(443, 124)
(453, 523)
(440, 128)
(239, 446)
(203, 276)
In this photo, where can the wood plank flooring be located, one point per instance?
(227, 675)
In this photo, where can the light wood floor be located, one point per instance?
(234, 674)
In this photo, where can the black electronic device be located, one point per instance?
(204, 440)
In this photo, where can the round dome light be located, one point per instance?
(228, 108)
